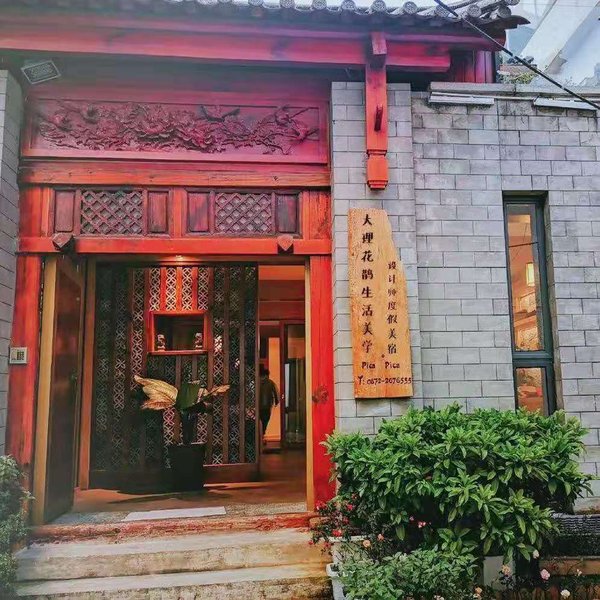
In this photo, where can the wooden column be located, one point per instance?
(22, 379)
(22, 383)
(321, 381)
(376, 117)
(87, 387)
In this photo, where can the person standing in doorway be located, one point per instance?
(268, 397)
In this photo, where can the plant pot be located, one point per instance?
(336, 583)
(187, 467)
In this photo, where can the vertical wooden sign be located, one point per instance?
(379, 309)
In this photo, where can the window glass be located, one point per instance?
(524, 278)
(531, 388)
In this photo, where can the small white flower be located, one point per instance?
(506, 570)
(579, 572)
(565, 593)
(438, 598)
(535, 554)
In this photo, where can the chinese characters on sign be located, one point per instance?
(379, 309)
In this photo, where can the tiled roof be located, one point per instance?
(493, 14)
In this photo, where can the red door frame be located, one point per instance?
(23, 378)
(323, 398)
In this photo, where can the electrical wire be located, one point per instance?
(517, 58)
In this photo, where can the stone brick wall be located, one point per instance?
(10, 120)
(350, 190)
(463, 289)
(449, 168)
(466, 157)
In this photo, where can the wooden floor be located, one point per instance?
(282, 488)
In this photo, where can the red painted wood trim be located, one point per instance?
(242, 47)
(484, 67)
(22, 379)
(376, 121)
(473, 67)
(150, 23)
(321, 338)
(189, 246)
(103, 172)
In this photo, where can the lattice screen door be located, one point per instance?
(129, 445)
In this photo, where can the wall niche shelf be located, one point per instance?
(177, 333)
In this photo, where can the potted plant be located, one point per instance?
(432, 488)
(190, 400)
(13, 526)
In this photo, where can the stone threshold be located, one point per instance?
(168, 527)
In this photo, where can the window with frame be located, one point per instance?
(531, 330)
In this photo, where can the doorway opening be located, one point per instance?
(220, 323)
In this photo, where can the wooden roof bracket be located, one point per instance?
(376, 112)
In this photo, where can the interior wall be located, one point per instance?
(273, 433)
(281, 298)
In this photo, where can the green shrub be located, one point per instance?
(483, 483)
(12, 523)
(423, 574)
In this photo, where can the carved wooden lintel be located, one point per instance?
(64, 242)
(376, 113)
(144, 127)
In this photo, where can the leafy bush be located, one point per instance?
(424, 574)
(12, 523)
(483, 483)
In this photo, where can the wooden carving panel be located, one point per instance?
(244, 214)
(84, 128)
(256, 214)
(379, 309)
(126, 212)
(112, 212)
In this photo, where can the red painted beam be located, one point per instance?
(180, 246)
(458, 39)
(240, 48)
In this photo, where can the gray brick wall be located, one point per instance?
(449, 168)
(350, 190)
(465, 158)
(463, 291)
(10, 120)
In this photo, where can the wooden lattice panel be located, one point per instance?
(237, 214)
(129, 446)
(152, 213)
(112, 212)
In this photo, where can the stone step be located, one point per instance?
(289, 582)
(173, 554)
